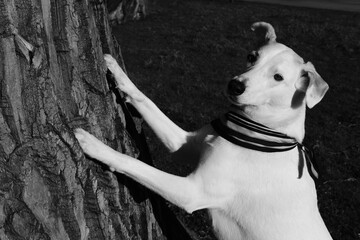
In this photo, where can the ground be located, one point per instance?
(183, 54)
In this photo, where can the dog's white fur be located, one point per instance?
(250, 195)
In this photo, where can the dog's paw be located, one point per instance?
(87, 142)
(122, 80)
(112, 64)
(96, 149)
(92, 146)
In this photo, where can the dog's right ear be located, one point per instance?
(263, 28)
(312, 84)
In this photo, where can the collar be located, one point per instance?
(247, 133)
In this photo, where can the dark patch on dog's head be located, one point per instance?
(297, 99)
(301, 87)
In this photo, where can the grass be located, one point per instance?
(184, 52)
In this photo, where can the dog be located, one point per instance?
(254, 175)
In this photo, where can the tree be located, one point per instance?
(53, 80)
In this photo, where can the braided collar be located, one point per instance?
(249, 134)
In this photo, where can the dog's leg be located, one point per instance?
(168, 132)
(185, 192)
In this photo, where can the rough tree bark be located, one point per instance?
(53, 79)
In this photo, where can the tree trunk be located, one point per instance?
(53, 80)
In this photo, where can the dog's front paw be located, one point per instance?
(112, 64)
(122, 80)
(88, 142)
(93, 147)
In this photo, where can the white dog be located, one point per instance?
(254, 175)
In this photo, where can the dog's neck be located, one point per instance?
(288, 121)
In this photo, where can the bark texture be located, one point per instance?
(53, 79)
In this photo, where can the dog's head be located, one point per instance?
(278, 84)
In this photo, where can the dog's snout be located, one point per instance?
(236, 87)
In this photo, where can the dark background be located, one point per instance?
(184, 52)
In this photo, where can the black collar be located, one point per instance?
(249, 134)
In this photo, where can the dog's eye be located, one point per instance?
(252, 57)
(278, 77)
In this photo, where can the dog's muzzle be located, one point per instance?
(236, 87)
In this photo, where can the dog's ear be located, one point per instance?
(312, 85)
(264, 29)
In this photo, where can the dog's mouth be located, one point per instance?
(234, 100)
(239, 101)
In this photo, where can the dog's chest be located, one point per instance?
(251, 186)
(254, 190)
(247, 175)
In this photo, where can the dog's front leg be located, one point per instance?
(167, 131)
(184, 192)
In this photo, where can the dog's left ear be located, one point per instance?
(312, 85)
(264, 29)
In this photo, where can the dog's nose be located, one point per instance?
(236, 87)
